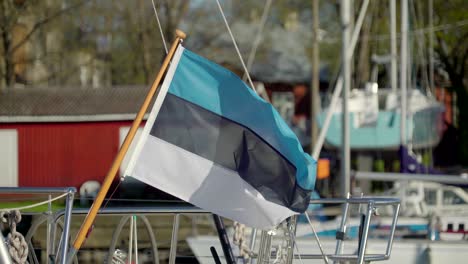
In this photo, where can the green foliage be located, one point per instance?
(395, 166)
(56, 205)
(379, 165)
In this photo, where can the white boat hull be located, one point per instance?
(403, 251)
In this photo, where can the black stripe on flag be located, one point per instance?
(232, 146)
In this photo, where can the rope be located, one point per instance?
(235, 46)
(36, 204)
(239, 240)
(16, 243)
(282, 249)
(119, 257)
(293, 238)
(280, 255)
(159, 25)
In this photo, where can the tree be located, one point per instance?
(115, 39)
(452, 51)
(135, 44)
(20, 23)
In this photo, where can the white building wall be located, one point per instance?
(9, 158)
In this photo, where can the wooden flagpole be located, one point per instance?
(81, 236)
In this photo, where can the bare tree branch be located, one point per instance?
(65, 73)
(39, 24)
(443, 54)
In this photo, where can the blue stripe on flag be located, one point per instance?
(216, 89)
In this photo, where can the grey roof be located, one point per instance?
(32, 104)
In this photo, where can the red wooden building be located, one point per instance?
(63, 136)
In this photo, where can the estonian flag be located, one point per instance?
(211, 141)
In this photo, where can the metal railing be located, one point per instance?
(53, 220)
(371, 203)
(70, 192)
(142, 212)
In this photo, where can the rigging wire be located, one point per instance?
(112, 194)
(426, 30)
(317, 238)
(159, 25)
(258, 37)
(235, 46)
(423, 65)
(424, 69)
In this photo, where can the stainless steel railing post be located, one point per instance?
(4, 254)
(365, 233)
(175, 229)
(291, 229)
(392, 230)
(341, 235)
(66, 224)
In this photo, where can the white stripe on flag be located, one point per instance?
(205, 184)
(156, 107)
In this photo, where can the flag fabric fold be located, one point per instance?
(211, 141)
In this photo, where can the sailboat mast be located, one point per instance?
(346, 73)
(431, 46)
(393, 47)
(315, 95)
(339, 84)
(403, 69)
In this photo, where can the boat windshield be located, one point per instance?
(450, 197)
